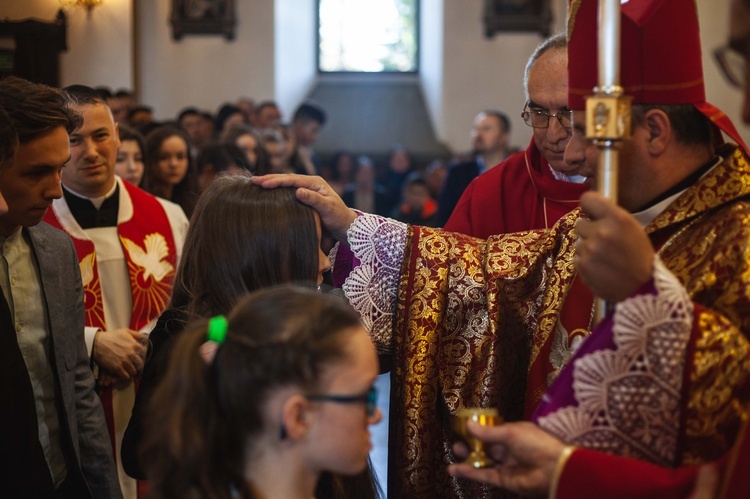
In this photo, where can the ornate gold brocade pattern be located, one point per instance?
(719, 389)
(472, 315)
(459, 293)
(709, 244)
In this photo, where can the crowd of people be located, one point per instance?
(164, 330)
(202, 144)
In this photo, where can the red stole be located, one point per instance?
(148, 232)
(518, 194)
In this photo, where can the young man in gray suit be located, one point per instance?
(54, 439)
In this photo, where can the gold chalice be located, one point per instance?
(484, 416)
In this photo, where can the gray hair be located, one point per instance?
(558, 41)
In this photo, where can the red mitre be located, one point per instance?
(660, 56)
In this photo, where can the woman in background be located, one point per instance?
(218, 158)
(244, 137)
(260, 404)
(169, 170)
(130, 155)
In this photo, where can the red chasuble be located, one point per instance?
(467, 309)
(518, 194)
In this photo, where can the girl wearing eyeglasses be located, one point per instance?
(260, 403)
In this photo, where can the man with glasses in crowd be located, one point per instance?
(534, 188)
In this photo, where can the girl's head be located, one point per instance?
(217, 158)
(130, 156)
(242, 238)
(244, 137)
(169, 167)
(168, 156)
(292, 382)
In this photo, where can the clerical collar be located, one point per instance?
(654, 208)
(91, 213)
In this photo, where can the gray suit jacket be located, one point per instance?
(89, 449)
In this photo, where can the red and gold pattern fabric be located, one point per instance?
(472, 316)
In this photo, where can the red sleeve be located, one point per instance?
(589, 473)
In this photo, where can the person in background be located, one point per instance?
(247, 106)
(226, 116)
(274, 150)
(192, 121)
(435, 173)
(534, 188)
(418, 207)
(365, 194)
(169, 167)
(244, 137)
(285, 387)
(217, 158)
(141, 117)
(341, 171)
(129, 164)
(309, 119)
(490, 137)
(399, 168)
(267, 115)
(120, 103)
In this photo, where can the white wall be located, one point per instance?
(202, 70)
(714, 19)
(273, 57)
(431, 61)
(484, 73)
(100, 43)
(295, 64)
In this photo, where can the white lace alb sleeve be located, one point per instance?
(378, 243)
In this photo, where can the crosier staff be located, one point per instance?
(607, 110)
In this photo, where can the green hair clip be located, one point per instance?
(217, 329)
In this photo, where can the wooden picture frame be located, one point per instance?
(203, 17)
(517, 15)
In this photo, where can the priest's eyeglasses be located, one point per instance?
(539, 118)
(732, 65)
(369, 398)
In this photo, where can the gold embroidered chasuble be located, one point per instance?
(471, 316)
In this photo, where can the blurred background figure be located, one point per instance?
(226, 116)
(129, 164)
(309, 119)
(169, 171)
(365, 194)
(418, 207)
(267, 115)
(244, 137)
(217, 158)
